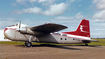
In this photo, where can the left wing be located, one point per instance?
(48, 28)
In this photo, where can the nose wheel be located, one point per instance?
(28, 44)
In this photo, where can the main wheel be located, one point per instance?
(28, 44)
(86, 44)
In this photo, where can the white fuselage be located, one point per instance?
(12, 34)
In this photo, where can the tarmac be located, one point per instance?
(8, 51)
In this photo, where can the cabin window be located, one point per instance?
(78, 39)
(65, 39)
(61, 38)
(64, 35)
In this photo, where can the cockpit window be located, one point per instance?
(11, 25)
(16, 24)
(57, 33)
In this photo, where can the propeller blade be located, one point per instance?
(19, 25)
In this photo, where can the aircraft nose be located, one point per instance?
(5, 32)
(5, 29)
(9, 33)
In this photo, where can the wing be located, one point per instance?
(48, 28)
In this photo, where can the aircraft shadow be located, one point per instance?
(90, 45)
(48, 45)
(59, 46)
(94, 45)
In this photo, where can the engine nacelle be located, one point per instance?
(23, 30)
(26, 30)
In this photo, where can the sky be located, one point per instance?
(65, 12)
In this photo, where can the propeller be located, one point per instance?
(18, 29)
(19, 26)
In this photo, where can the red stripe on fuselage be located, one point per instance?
(9, 29)
(5, 29)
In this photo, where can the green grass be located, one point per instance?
(12, 42)
(101, 43)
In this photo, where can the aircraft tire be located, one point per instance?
(86, 44)
(28, 44)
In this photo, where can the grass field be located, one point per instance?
(101, 43)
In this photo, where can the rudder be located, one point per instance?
(82, 30)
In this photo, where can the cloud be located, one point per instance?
(13, 4)
(100, 12)
(16, 12)
(46, 2)
(56, 9)
(62, 19)
(5, 23)
(52, 10)
(34, 10)
(32, 1)
(42, 1)
(70, 1)
(23, 1)
(100, 20)
(100, 4)
(98, 27)
(79, 16)
(99, 15)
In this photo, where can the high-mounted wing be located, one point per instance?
(48, 28)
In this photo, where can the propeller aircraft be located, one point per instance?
(47, 33)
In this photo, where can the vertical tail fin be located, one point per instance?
(82, 30)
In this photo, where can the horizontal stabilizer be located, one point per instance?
(88, 41)
(94, 41)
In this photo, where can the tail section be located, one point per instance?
(82, 30)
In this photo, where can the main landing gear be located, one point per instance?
(86, 44)
(28, 44)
